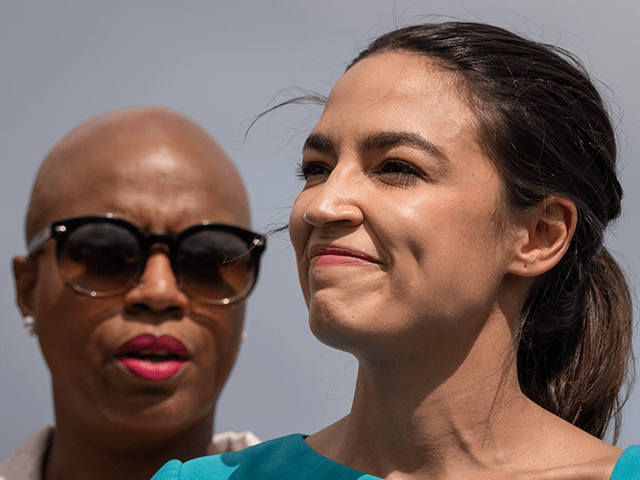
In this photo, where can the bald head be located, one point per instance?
(131, 152)
(159, 171)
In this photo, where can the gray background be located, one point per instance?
(222, 62)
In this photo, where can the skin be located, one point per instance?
(161, 171)
(394, 171)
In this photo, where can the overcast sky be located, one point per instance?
(221, 63)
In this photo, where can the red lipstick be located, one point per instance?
(341, 257)
(153, 358)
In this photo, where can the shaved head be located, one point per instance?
(156, 170)
(139, 147)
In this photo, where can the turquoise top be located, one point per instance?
(290, 458)
(628, 466)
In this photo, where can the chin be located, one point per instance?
(344, 332)
(168, 415)
(368, 336)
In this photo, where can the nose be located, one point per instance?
(337, 201)
(157, 290)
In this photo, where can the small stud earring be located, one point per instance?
(141, 286)
(30, 325)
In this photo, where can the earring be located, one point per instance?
(244, 336)
(30, 325)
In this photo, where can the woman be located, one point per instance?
(450, 236)
(138, 318)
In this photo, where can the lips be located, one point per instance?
(339, 256)
(153, 358)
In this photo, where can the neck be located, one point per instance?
(463, 423)
(83, 453)
(415, 418)
(486, 432)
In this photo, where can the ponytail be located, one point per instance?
(574, 348)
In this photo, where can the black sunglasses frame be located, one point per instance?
(61, 229)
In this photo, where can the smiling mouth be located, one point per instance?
(338, 256)
(153, 358)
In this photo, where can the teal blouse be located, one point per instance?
(628, 466)
(290, 458)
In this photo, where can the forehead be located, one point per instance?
(398, 73)
(160, 182)
(404, 91)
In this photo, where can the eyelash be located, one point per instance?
(405, 173)
(306, 170)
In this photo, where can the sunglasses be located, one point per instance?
(103, 255)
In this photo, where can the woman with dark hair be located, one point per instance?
(450, 236)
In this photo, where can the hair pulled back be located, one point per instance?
(543, 123)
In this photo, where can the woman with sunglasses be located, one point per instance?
(138, 267)
(449, 235)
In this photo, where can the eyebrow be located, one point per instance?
(319, 142)
(380, 141)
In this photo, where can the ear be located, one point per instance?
(547, 237)
(25, 273)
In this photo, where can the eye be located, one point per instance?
(306, 171)
(401, 171)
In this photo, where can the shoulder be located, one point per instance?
(231, 441)
(615, 465)
(245, 463)
(26, 462)
(285, 458)
(628, 465)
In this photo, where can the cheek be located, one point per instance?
(299, 232)
(218, 336)
(65, 321)
(299, 229)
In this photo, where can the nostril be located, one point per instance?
(138, 308)
(145, 308)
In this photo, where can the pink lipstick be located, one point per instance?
(153, 358)
(341, 257)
